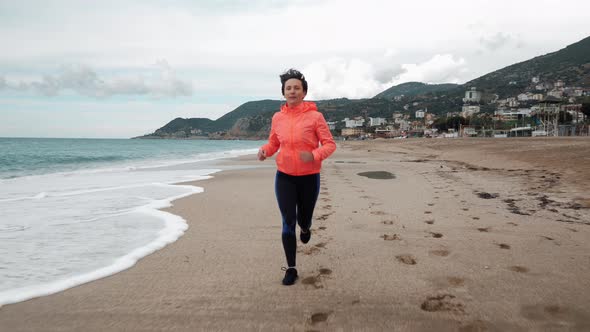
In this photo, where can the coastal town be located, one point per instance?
(544, 109)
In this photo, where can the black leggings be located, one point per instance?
(296, 196)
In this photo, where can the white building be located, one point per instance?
(555, 93)
(512, 102)
(420, 114)
(353, 123)
(535, 79)
(512, 115)
(469, 110)
(331, 125)
(525, 96)
(374, 122)
(559, 84)
(472, 96)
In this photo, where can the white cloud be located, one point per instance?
(161, 82)
(497, 41)
(441, 68)
(338, 77)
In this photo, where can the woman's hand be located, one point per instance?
(261, 154)
(306, 156)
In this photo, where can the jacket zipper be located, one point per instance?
(295, 162)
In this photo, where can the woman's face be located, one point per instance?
(294, 92)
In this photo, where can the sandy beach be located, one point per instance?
(408, 235)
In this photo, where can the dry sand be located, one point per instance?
(446, 235)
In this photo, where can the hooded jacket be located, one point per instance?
(296, 129)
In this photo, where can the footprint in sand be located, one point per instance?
(312, 281)
(387, 222)
(519, 269)
(430, 204)
(310, 250)
(324, 271)
(429, 222)
(440, 253)
(511, 223)
(475, 218)
(436, 235)
(319, 317)
(443, 302)
(324, 216)
(322, 228)
(427, 212)
(486, 229)
(406, 259)
(389, 237)
(378, 213)
(456, 281)
(503, 246)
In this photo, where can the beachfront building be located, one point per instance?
(403, 124)
(469, 110)
(375, 122)
(535, 80)
(354, 132)
(331, 125)
(354, 123)
(510, 115)
(420, 114)
(469, 132)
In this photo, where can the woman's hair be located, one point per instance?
(292, 73)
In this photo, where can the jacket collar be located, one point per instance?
(305, 106)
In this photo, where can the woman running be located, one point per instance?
(297, 130)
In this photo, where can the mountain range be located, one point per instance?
(252, 119)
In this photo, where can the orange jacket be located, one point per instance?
(296, 129)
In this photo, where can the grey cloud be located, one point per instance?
(2, 83)
(386, 75)
(496, 41)
(85, 81)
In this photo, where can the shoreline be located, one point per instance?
(427, 249)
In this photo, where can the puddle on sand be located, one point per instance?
(380, 175)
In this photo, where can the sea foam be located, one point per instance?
(64, 229)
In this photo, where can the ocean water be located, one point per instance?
(75, 210)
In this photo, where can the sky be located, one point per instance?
(119, 69)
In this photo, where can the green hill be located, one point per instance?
(252, 119)
(413, 89)
(570, 64)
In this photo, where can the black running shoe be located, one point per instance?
(290, 276)
(305, 236)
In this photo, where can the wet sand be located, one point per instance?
(463, 235)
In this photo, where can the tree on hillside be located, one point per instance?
(446, 123)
